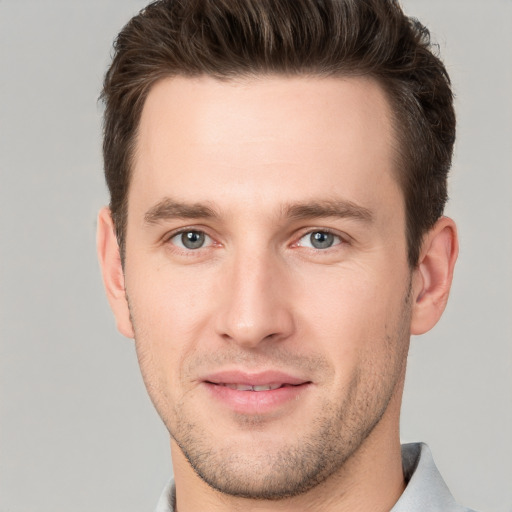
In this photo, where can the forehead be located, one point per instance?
(265, 139)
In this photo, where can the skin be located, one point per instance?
(258, 296)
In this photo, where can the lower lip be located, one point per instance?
(256, 402)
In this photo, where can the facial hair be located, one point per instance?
(275, 472)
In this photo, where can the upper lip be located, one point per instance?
(254, 378)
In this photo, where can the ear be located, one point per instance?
(112, 271)
(433, 276)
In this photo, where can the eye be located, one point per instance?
(319, 240)
(190, 239)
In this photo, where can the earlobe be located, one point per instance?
(433, 276)
(112, 272)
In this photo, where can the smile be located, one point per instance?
(256, 393)
(248, 387)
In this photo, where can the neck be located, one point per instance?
(370, 480)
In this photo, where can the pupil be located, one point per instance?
(322, 240)
(192, 239)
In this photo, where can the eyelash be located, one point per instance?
(341, 240)
(168, 239)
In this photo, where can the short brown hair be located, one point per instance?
(231, 38)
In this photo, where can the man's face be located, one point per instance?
(266, 273)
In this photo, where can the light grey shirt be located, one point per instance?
(425, 491)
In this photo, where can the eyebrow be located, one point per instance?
(168, 208)
(339, 208)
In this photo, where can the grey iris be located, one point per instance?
(192, 239)
(321, 239)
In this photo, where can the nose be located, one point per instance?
(254, 305)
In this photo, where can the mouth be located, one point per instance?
(253, 387)
(261, 381)
(256, 393)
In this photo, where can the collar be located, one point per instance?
(426, 490)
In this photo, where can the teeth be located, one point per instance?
(245, 387)
(266, 388)
(239, 387)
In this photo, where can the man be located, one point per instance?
(277, 172)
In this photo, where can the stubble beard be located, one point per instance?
(334, 436)
(288, 471)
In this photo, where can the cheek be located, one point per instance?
(344, 300)
(169, 298)
(169, 310)
(352, 315)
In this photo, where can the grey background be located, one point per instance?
(77, 431)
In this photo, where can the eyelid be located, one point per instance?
(167, 238)
(344, 239)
